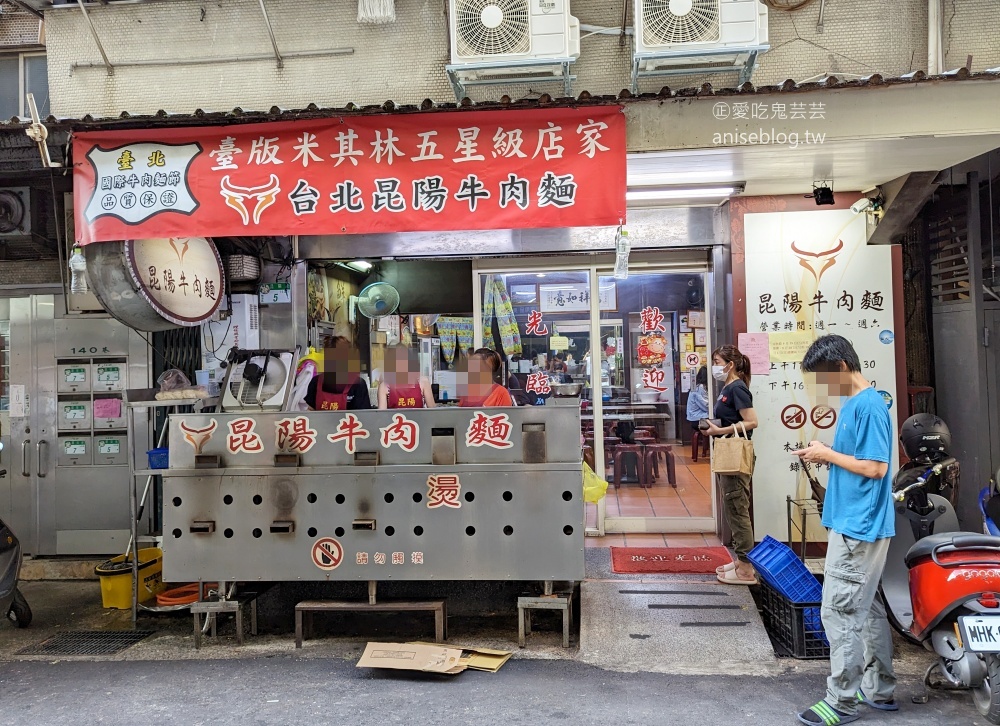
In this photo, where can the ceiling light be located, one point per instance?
(360, 265)
(677, 178)
(648, 195)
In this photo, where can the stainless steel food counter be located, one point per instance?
(438, 494)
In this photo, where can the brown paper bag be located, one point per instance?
(733, 455)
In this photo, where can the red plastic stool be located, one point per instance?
(620, 451)
(652, 454)
(698, 438)
(651, 430)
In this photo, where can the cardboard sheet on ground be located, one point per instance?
(481, 659)
(412, 657)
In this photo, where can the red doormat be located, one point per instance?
(690, 560)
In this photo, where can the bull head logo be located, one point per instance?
(818, 262)
(236, 197)
(198, 437)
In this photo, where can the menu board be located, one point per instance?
(810, 274)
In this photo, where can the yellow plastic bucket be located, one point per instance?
(116, 578)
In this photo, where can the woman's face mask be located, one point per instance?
(719, 373)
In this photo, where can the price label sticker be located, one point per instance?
(75, 375)
(276, 293)
(108, 374)
(109, 446)
(75, 413)
(74, 448)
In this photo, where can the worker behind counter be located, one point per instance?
(479, 385)
(403, 386)
(340, 386)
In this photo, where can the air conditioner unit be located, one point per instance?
(15, 212)
(683, 27)
(493, 31)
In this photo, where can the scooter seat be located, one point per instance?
(958, 540)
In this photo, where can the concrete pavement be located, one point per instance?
(307, 692)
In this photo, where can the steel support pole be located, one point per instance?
(97, 40)
(270, 32)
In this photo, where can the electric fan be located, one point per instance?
(378, 300)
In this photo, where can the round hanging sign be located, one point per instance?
(181, 277)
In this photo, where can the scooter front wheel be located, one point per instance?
(20, 611)
(987, 695)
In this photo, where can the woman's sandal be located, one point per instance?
(723, 569)
(731, 578)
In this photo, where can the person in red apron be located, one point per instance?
(402, 385)
(340, 386)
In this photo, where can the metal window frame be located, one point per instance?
(22, 86)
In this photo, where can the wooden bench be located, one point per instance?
(211, 608)
(556, 601)
(305, 609)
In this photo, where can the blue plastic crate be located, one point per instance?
(158, 458)
(778, 565)
(989, 526)
(796, 629)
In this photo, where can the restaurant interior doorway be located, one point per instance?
(627, 351)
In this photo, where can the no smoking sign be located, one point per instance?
(793, 416)
(327, 554)
(823, 417)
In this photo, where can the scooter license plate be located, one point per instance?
(981, 633)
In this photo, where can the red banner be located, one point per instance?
(561, 167)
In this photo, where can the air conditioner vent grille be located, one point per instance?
(668, 22)
(492, 27)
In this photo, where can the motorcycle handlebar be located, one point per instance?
(922, 479)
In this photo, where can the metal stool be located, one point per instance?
(632, 449)
(651, 457)
(556, 601)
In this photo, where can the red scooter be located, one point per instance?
(940, 585)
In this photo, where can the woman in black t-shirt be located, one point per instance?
(735, 406)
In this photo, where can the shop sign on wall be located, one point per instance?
(809, 274)
(559, 167)
(181, 277)
(575, 297)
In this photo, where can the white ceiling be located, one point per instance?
(852, 165)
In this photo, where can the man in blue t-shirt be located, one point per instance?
(859, 514)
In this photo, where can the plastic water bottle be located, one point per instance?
(78, 268)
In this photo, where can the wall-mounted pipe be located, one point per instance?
(221, 59)
(935, 41)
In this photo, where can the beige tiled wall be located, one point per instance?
(404, 61)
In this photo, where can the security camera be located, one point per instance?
(862, 205)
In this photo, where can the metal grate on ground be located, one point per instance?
(87, 642)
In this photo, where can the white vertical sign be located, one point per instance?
(810, 274)
(17, 404)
